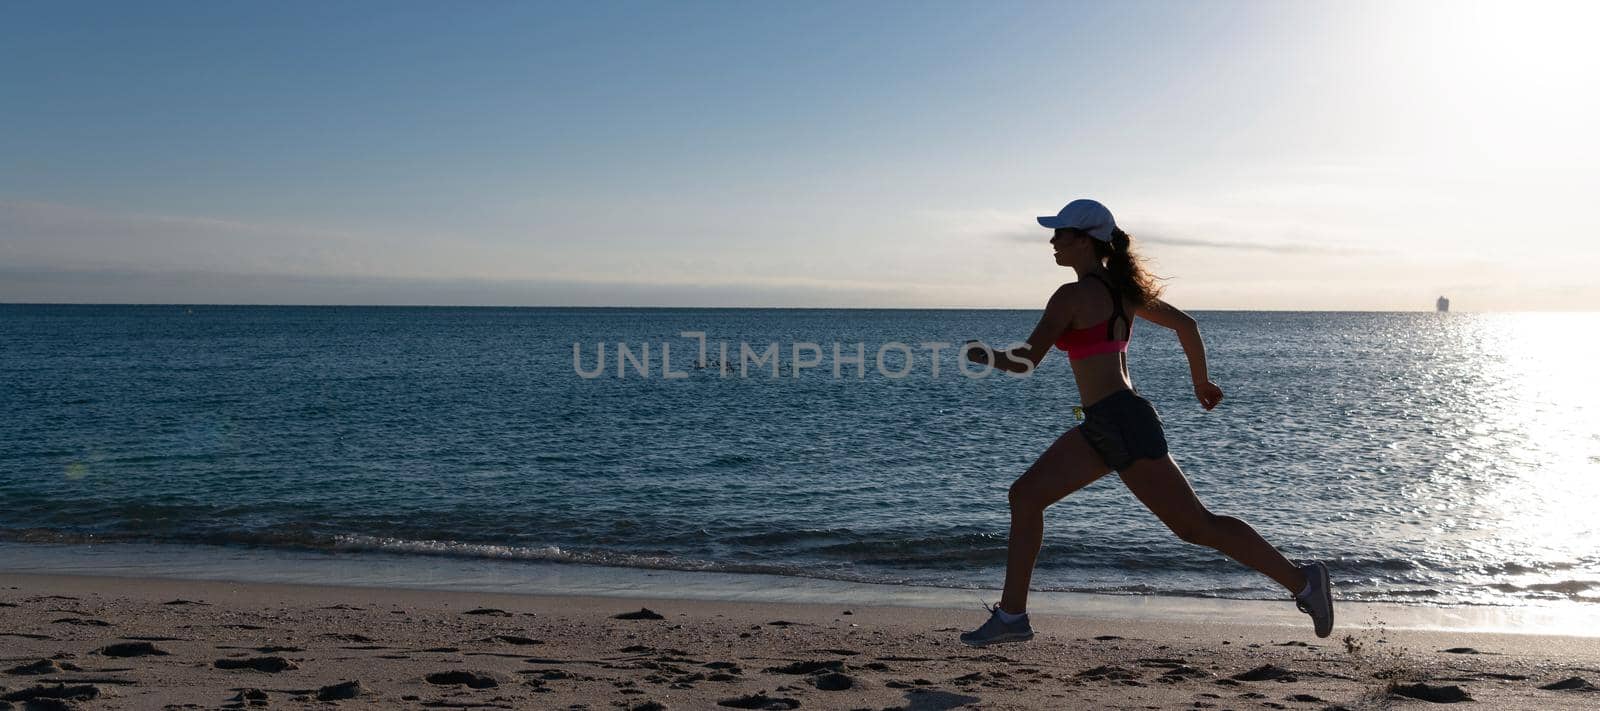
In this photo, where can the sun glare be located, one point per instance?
(1507, 63)
(1543, 415)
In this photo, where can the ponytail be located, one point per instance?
(1127, 268)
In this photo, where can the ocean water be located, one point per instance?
(1429, 458)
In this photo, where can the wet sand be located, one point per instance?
(138, 643)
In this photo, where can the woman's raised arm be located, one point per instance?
(1162, 313)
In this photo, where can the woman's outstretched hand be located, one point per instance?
(1208, 393)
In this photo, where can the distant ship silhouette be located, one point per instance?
(1442, 305)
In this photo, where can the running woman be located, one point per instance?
(1091, 319)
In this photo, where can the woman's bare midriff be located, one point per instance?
(1099, 376)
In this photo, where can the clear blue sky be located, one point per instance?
(1269, 155)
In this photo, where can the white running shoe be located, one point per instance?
(997, 631)
(1317, 599)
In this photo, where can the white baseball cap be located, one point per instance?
(1087, 215)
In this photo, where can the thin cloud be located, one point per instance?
(47, 235)
(1041, 237)
(1270, 247)
(199, 286)
(1032, 237)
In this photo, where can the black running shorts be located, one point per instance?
(1124, 427)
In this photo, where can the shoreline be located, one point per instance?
(207, 642)
(368, 571)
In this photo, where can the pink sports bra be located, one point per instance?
(1100, 338)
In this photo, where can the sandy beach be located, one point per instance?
(127, 643)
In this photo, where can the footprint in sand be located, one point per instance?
(554, 674)
(1428, 692)
(807, 667)
(1571, 683)
(1181, 673)
(132, 649)
(342, 690)
(834, 681)
(759, 701)
(460, 677)
(1108, 672)
(254, 697)
(487, 611)
(723, 671)
(43, 666)
(269, 665)
(1265, 672)
(513, 639)
(58, 693)
(81, 621)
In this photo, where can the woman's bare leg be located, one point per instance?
(1067, 466)
(1161, 485)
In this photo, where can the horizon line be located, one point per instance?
(733, 308)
